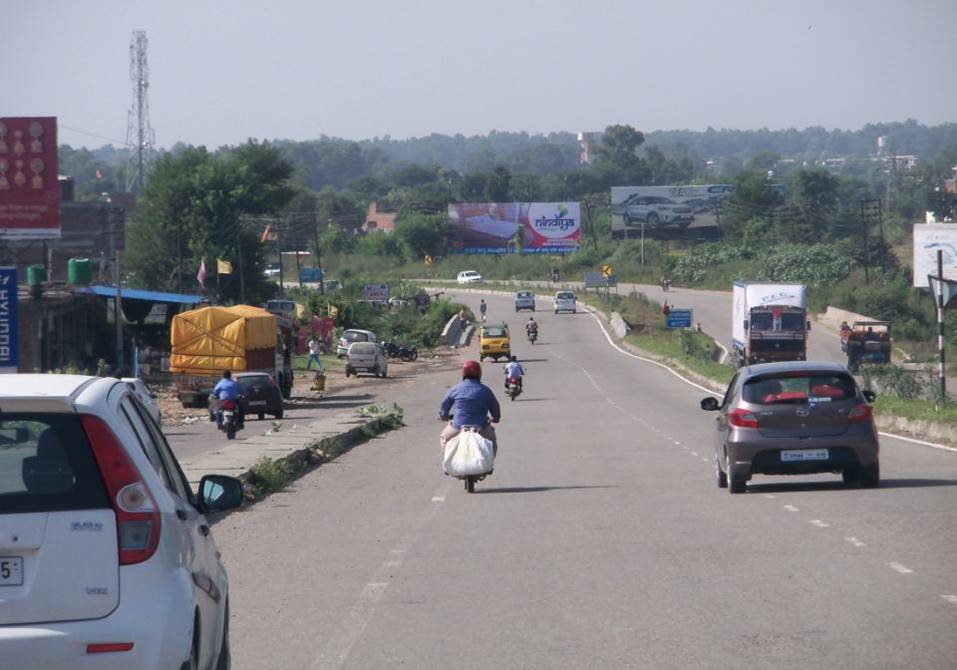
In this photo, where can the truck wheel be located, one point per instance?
(261, 416)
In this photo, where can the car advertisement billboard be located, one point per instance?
(29, 190)
(666, 208)
(506, 227)
(928, 239)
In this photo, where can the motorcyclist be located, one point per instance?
(482, 308)
(514, 370)
(473, 402)
(531, 326)
(227, 389)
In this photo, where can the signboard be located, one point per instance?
(9, 327)
(595, 280)
(310, 274)
(29, 190)
(507, 227)
(928, 238)
(607, 270)
(377, 292)
(679, 318)
(666, 207)
(949, 290)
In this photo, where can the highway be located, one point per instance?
(601, 540)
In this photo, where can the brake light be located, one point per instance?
(860, 414)
(137, 516)
(742, 418)
(108, 647)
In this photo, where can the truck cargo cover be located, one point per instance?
(211, 339)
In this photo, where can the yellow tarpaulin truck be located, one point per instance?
(206, 341)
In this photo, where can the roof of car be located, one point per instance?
(251, 374)
(50, 386)
(794, 366)
(357, 330)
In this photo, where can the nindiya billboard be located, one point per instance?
(506, 227)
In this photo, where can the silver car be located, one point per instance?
(794, 418)
(524, 300)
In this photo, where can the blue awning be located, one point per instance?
(138, 294)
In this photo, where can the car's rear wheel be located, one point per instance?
(870, 478)
(278, 414)
(851, 476)
(224, 662)
(735, 484)
(720, 478)
(261, 416)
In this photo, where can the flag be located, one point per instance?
(268, 236)
(99, 175)
(201, 275)
(223, 267)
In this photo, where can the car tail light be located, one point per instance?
(742, 418)
(860, 414)
(137, 517)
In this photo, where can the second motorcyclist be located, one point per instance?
(531, 326)
(227, 389)
(514, 370)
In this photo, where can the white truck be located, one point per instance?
(769, 322)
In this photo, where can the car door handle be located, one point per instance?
(204, 530)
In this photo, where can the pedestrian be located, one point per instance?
(314, 353)
(463, 321)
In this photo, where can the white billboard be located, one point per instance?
(929, 238)
(659, 207)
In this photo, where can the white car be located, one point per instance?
(106, 558)
(353, 335)
(565, 302)
(368, 357)
(470, 277)
(146, 396)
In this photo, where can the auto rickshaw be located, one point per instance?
(494, 342)
(866, 342)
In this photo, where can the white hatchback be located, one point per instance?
(469, 277)
(565, 302)
(106, 558)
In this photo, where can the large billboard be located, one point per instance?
(928, 239)
(504, 227)
(666, 208)
(29, 190)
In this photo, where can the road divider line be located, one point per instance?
(769, 496)
(819, 523)
(791, 508)
(950, 598)
(855, 542)
(904, 570)
(922, 443)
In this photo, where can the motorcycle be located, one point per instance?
(665, 285)
(474, 467)
(513, 388)
(532, 336)
(405, 352)
(227, 416)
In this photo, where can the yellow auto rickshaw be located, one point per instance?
(494, 342)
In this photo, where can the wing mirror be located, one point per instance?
(220, 492)
(870, 396)
(710, 404)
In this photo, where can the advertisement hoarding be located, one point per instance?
(506, 227)
(29, 190)
(666, 207)
(928, 238)
(9, 351)
(377, 292)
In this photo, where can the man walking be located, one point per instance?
(314, 353)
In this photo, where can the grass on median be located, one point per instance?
(916, 410)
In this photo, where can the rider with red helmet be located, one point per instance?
(473, 403)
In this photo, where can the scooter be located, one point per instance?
(512, 388)
(532, 336)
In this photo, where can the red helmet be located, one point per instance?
(472, 369)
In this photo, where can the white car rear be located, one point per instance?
(565, 302)
(147, 397)
(353, 335)
(366, 357)
(469, 277)
(106, 559)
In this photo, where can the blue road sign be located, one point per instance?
(9, 326)
(680, 318)
(310, 274)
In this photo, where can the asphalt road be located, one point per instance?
(601, 541)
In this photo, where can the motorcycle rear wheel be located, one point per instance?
(470, 484)
(230, 431)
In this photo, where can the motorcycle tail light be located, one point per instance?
(229, 405)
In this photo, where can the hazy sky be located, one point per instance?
(223, 71)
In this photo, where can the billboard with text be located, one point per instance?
(29, 190)
(506, 227)
(666, 207)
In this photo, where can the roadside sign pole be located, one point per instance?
(642, 243)
(940, 322)
(118, 313)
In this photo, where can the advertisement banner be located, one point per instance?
(377, 292)
(666, 207)
(29, 190)
(507, 227)
(9, 326)
(928, 238)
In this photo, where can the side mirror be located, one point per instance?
(870, 396)
(710, 404)
(220, 492)
(746, 324)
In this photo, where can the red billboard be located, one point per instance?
(29, 190)
(503, 227)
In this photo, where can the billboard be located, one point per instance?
(29, 190)
(376, 292)
(9, 351)
(928, 238)
(674, 208)
(504, 227)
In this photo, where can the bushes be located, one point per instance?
(896, 381)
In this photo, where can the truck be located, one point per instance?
(769, 322)
(207, 341)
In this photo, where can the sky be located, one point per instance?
(225, 71)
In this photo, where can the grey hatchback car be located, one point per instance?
(794, 418)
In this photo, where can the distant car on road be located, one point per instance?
(524, 300)
(353, 335)
(469, 277)
(655, 210)
(106, 557)
(368, 357)
(794, 418)
(263, 395)
(565, 302)
(146, 396)
(272, 270)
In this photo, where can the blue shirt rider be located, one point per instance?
(227, 389)
(473, 403)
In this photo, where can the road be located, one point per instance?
(601, 541)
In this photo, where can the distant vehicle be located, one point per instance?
(93, 496)
(655, 210)
(866, 342)
(494, 342)
(272, 270)
(524, 300)
(146, 396)
(769, 322)
(283, 308)
(353, 335)
(469, 277)
(263, 395)
(565, 302)
(794, 418)
(367, 357)
(331, 285)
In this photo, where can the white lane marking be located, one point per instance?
(791, 508)
(950, 598)
(392, 564)
(693, 453)
(819, 523)
(438, 498)
(855, 542)
(920, 442)
(769, 496)
(705, 459)
(397, 551)
(904, 570)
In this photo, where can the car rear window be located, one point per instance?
(565, 295)
(254, 382)
(799, 388)
(362, 348)
(494, 331)
(354, 336)
(46, 465)
(523, 294)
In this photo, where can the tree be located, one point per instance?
(497, 184)
(423, 234)
(619, 146)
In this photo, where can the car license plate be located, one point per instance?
(256, 403)
(792, 455)
(11, 571)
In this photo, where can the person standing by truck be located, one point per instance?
(314, 349)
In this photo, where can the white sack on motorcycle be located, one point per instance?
(468, 453)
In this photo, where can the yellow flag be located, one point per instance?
(332, 310)
(223, 267)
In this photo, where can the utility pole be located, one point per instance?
(591, 224)
(239, 256)
(872, 213)
(179, 256)
(866, 243)
(282, 285)
(118, 310)
(940, 323)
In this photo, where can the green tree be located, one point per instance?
(423, 234)
(497, 184)
(619, 146)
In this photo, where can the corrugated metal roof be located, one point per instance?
(138, 294)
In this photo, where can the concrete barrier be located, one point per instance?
(618, 325)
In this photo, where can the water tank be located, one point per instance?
(79, 271)
(36, 275)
